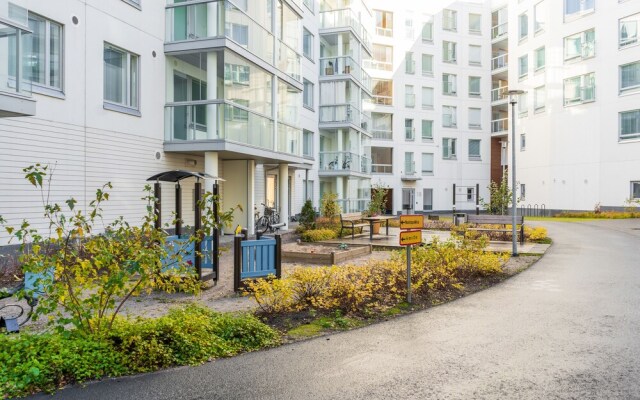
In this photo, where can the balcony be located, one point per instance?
(499, 32)
(345, 65)
(499, 62)
(353, 205)
(382, 168)
(340, 162)
(500, 94)
(288, 61)
(500, 125)
(207, 121)
(382, 133)
(344, 114)
(345, 18)
(15, 90)
(386, 32)
(410, 173)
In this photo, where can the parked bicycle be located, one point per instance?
(270, 221)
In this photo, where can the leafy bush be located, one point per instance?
(189, 336)
(308, 216)
(316, 235)
(534, 234)
(329, 207)
(373, 288)
(600, 215)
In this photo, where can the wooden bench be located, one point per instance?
(503, 220)
(352, 221)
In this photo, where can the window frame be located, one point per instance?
(583, 45)
(572, 102)
(422, 164)
(536, 53)
(307, 83)
(475, 63)
(536, 107)
(477, 110)
(475, 31)
(452, 50)
(423, 123)
(577, 14)
(306, 33)
(46, 88)
(633, 43)
(522, 37)
(430, 71)
(454, 117)
(126, 107)
(633, 136)
(523, 75)
(631, 195)
(473, 94)
(630, 89)
(449, 146)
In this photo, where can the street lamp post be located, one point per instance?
(513, 99)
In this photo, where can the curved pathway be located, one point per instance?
(567, 328)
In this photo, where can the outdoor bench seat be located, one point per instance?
(352, 221)
(503, 220)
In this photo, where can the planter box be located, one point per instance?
(332, 255)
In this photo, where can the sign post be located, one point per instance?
(410, 234)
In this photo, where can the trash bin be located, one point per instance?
(459, 218)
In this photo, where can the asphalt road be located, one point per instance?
(567, 328)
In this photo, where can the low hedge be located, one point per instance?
(599, 215)
(316, 235)
(189, 336)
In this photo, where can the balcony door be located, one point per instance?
(189, 121)
(408, 200)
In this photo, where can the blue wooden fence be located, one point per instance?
(175, 244)
(256, 258)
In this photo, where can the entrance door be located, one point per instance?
(408, 200)
(271, 191)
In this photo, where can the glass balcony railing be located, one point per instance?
(12, 77)
(382, 133)
(499, 31)
(344, 113)
(499, 125)
(500, 93)
(289, 61)
(289, 140)
(382, 168)
(345, 65)
(353, 205)
(409, 168)
(218, 19)
(499, 62)
(218, 121)
(344, 18)
(344, 161)
(379, 65)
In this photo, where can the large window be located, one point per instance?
(540, 16)
(307, 44)
(475, 55)
(475, 118)
(449, 117)
(474, 86)
(427, 130)
(409, 130)
(449, 20)
(475, 24)
(427, 163)
(574, 8)
(628, 31)
(630, 77)
(523, 26)
(307, 143)
(580, 89)
(474, 149)
(427, 31)
(307, 94)
(382, 91)
(427, 98)
(449, 53)
(635, 190)
(448, 148)
(449, 85)
(43, 53)
(121, 77)
(630, 124)
(427, 65)
(539, 99)
(382, 57)
(523, 66)
(409, 96)
(581, 45)
(384, 23)
(539, 58)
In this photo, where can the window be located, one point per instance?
(523, 26)
(540, 16)
(427, 31)
(448, 51)
(449, 84)
(409, 63)
(635, 190)
(384, 23)
(475, 55)
(449, 119)
(523, 66)
(475, 118)
(309, 4)
(382, 126)
(409, 164)
(43, 56)
(574, 8)
(448, 148)
(382, 91)
(630, 77)
(539, 99)
(523, 192)
(121, 71)
(523, 142)
(427, 130)
(474, 86)
(307, 143)
(409, 96)
(523, 105)
(580, 89)
(474, 149)
(427, 199)
(630, 125)
(449, 20)
(628, 31)
(382, 57)
(309, 189)
(427, 65)
(581, 45)
(408, 28)
(539, 58)
(307, 94)
(475, 24)
(427, 98)
(409, 130)
(307, 44)
(427, 163)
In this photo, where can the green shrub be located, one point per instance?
(189, 336)
(600, 215)
(308, 216)
(329, 207)
(316, 235)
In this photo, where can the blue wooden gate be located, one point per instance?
(176, 244)
(256, 258)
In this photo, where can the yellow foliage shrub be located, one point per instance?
(535, 233)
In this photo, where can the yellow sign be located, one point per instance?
(408, 238)
(411, 221)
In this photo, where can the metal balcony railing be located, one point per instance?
(499, 125)
(499, 31)
(500, 93)
(499, 62)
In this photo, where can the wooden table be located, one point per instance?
(378, 218)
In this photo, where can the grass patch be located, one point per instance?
(328, 323)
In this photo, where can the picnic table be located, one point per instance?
(378, 218)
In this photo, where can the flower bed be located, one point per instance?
(329, 254)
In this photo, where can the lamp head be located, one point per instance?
(513, 95)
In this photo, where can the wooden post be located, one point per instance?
(237, 262)
(215, 245)
(278, 256)
(178, 209)
(477, 199)
(245, 233)
(157, 193)
(197, 226)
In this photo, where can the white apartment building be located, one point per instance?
(431, 91)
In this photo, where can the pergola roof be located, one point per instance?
(178, 175)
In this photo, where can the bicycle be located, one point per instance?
(266, 222)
